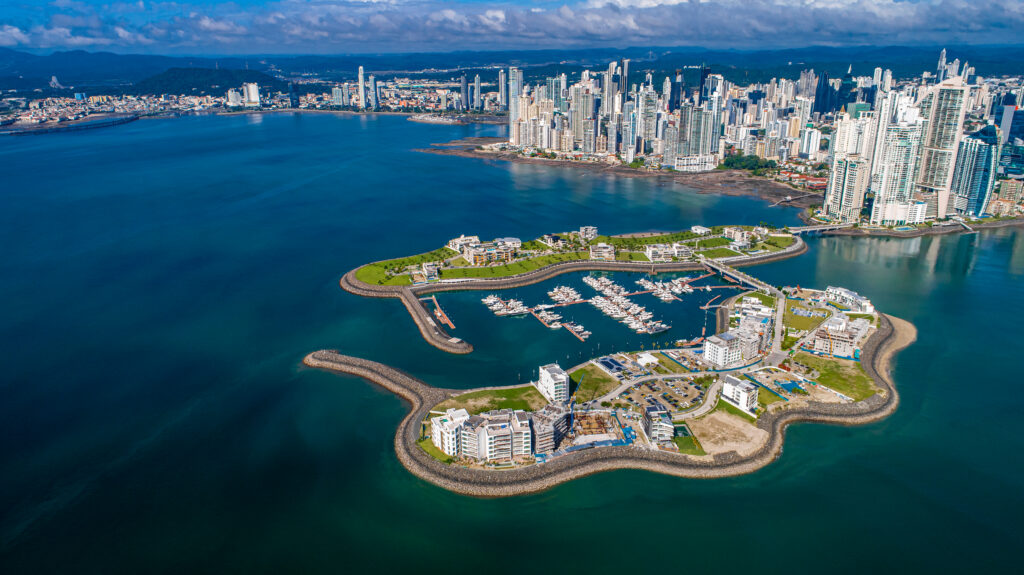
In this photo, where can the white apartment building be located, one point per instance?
(742, 394)
(588, 233)
(553, 383)
(848, 298)
(659, 252)
(602, 251)
(446, 431)
(722, 350)
(462, 242)
(657, 424)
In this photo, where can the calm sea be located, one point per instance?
(162, 281)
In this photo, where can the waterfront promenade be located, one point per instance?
(891, 336)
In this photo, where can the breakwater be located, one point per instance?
(436, 335)
(878, 351)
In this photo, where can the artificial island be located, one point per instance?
(712, 406)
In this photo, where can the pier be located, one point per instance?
(441, 316)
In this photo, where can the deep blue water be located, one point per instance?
(162, 281)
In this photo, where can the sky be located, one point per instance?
(366, 26)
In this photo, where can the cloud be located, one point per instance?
(403, 25)
(12, 36)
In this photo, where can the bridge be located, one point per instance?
(731, 272)
(818, 229)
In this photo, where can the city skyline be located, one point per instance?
(323, 27)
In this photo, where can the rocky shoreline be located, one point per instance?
(722, 182)
(891, 336)
(435, 334)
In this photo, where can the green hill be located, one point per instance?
(200, 81)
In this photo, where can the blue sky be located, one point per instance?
(352, 26)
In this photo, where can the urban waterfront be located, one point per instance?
(164, 283)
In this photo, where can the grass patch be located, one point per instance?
(639, 242)
(719, 253)
(631, 257)
(713, 243)
(433, 451)
(514, 268)
(727, 407)
(595, 384)
(766, 398)
(843, 375)
(460, 262)
(534, 245)
(780, 242)
(391, 272)
(867, 316)
(789, 341)
(669, 364)
(687, 445)
(800, 322)
(764, 299)
(526, 398)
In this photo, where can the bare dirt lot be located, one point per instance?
(720, 432)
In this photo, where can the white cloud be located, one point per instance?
(12, 36)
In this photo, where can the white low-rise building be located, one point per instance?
(463, 241)
(446, 431)
(553, 383)
(602, 251)
(659, 252)
(657, 424)
(742, 394)
(588, 233)
(700, 230)
(850, 299)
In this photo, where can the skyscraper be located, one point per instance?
(464, 94)
(974, 174)
(372, 89)
(502, 90)
(362, 90)
(337, 96)
(478, 100)
(943, 108)
(847, 183)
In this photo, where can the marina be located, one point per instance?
(613, 300)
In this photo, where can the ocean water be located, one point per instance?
(163, 280)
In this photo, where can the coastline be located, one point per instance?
(721, 182)
(892, 336)
(436, 336)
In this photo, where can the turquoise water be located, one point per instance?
(163, 280)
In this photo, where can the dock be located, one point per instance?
(438, 312)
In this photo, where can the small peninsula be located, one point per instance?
(708, 407)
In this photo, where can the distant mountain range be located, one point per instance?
(106, 72)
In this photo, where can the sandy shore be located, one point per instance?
(723, 182)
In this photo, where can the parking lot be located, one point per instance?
(675, 395)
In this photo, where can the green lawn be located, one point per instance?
(713, 242)
(631, 257)
(534, 245)
(636, 242)
(766, 398)
(843, 375)
(669, 364)
(525, 397)
(719, 253)
(800, 322)
(789, 341)
(729, 408)
(780, 242)
(433, 451)
(764, 299)
(596, 383)
(514, 267)
(688, 445)
(377, 272)
(460, 262)
(867, 316)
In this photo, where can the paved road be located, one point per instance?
(709, 395)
